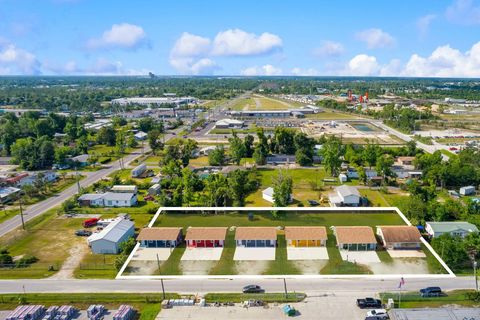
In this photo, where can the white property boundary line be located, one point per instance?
(319, 209)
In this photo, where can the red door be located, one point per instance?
(201, 243)
(209, 243)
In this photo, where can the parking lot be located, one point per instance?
(363, 257)
(340, 306)
(151, 254)
(307, 253)
(247, 254)
(199, 254)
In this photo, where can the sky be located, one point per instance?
(411, 38)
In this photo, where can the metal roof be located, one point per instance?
(113, 232)
(450, 226)
(90, 196)
(435, 314)
(346, 191)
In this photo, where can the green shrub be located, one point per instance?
(25, 261)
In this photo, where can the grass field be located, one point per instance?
(330, 115)
(96, 266)
(413, 299)
(267, 297)
(148, 305)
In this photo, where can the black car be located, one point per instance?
(431, 292)
(252, 289)
(370, 303)
(83, 233)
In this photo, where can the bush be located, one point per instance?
(119, 261)
(105, 160)
(3, 251)
(5, 260)
(26, 261)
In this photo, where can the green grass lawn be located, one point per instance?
(8, 213)
(413, 299)
(172, 265)
(267, 297)
(96, 266)
(281, 264)
(375, 197)
(147, 304)
(336, 265)
(226, 265)
(329, 115)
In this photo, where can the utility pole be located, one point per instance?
(285, 287)
(161, 279)
(78, 181)
(21, 212)
(472, 253)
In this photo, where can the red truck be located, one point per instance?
(90, 222)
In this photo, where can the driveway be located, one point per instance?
(254, 254)
(362, 257)
(206, 254)
(307, 253)
(150, 254)
(406, 253)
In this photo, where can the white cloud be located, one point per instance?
(362, 65)
(123, 36)
(445, 61)
(266, 70)
(423, 24)
(190, 45)
(236, 42)
(14, 60)
(305, 72)
(463, 12)
(392, 69)
(329, 49)
(376, 38)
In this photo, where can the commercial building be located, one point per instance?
(160, 237)
(109, 239)
(444, 313)
(400, 237)
(229, 124)
(206, 237)
(355, 238)
(153, 101)
(306, 236)
(454, 228)
(256, 237)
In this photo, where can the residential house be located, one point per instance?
(109, 239)
(160, 237)
(454, 228)
(124, 189)
(355, 238)
(345, 196)
(206, 237)
(140, 136)
(108, 199)
(405, 161)
(467, 191)
(306, 236)
(139, 170)
(256, 237)
(399, 237)
(8, 194)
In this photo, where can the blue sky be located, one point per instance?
(262, 37)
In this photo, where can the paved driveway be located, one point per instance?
(202, 254)
(307, 253)
(406, 253)
(249, 254)
(363, 257)
(150, 254)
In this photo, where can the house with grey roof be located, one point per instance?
(109, 239)
(108, 199)
(454, 228)
(345, 196)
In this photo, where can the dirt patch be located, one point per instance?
(401, 266)
(76, 254)
(141, 267)
(310, 266)
(196, 267)
(251, 267)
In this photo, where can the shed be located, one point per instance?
(154, 190)
(306, 236)
(206, 237)
(467, 191)
(259, 237)
(160, 237)
(400, 237)
(109, 239)
(342, 177)
(124, 189)
(355, 238)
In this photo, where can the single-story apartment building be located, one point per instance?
(355, 238)
(345, 196)
(268, 193)
(206, 237)
(139, 170)
(454, 228)
(306, 236)
(109, 239)
(124, 189)
(256, 237)
(108, 199)
(399, 237)
(160, 237)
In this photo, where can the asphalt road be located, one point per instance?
(41, 207)
(197, 286)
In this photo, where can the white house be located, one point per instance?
(267, 195)
(139, 170)
(344, 195)
(124, 189)
(109, 239)
(140, 136)
(455, 228)
(108, 199)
